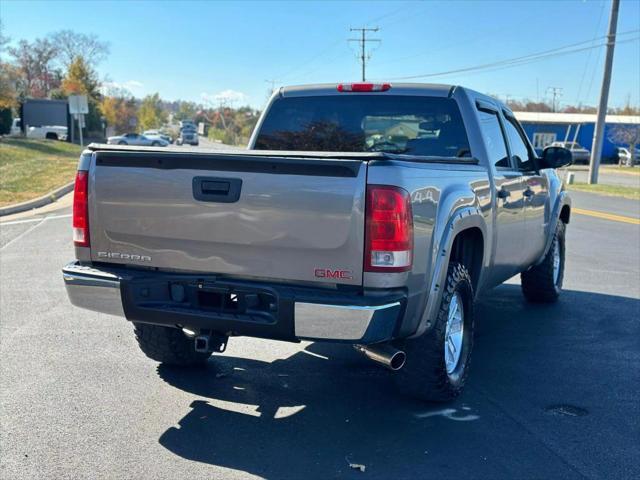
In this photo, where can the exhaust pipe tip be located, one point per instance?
(397, 360)
(384, 354)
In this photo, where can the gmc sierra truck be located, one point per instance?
(368, 214)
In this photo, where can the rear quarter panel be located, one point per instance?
(438, 193)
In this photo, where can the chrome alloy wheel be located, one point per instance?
(454, 333)
(556, 260)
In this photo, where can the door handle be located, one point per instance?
(528, 193)
(209, 187)
(503, 193)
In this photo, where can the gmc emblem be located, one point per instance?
(328, 273)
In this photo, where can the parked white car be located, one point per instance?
(49, 132)
(624, 155)
(578, 152)
(138, 140)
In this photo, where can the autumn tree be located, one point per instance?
(118, 112)
(81, 79)
(35, 63)
(186, 111)
(9, 77)
(151, 113)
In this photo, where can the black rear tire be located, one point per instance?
(425, 375)
(168, 345)
(540, 284)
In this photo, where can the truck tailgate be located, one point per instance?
(245, 214)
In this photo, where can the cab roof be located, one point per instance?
(426, 89)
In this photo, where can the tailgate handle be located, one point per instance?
(212, 189)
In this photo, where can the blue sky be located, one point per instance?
(196, 50)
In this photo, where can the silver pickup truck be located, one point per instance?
(369, 214)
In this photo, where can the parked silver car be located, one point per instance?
(578, 152)
(137, 140)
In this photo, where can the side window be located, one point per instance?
(519, 148)
(492, 133)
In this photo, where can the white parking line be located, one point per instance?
(30, 220)
(40, 222)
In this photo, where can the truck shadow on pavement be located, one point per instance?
(314, 413)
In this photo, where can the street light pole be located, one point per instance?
(598, 134)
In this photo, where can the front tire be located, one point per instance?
(543, 282)
(168, 345)
(438, 362)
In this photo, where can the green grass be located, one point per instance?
(624, 170)
(608, 169)
(31, 168)
(609, 190)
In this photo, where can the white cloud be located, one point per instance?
(226, 96)
(129, 86)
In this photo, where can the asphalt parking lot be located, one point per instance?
(553, 391)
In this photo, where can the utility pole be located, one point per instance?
(363, 45)
(596, 147)
(556, 92)
(273, 85)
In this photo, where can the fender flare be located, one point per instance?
(462, 219)
(562, 200)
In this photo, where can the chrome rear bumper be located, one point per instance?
(93, 289)
(100, 291)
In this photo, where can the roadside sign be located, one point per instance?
(78, 104)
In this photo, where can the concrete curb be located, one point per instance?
(50, 197)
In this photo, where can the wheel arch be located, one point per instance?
(464, 239)
(561, 212)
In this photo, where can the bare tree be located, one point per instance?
(627, 135)
(71, 44)
(35, 62)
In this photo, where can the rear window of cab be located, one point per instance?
(402, 124)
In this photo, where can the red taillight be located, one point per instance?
(389, 229)
(363, 87)
(81, 210)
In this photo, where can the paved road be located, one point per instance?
(553, 391)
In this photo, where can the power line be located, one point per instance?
(522, 59)
(364, 55)
(586, 64)
(526, 62)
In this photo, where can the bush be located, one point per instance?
(5, 121)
